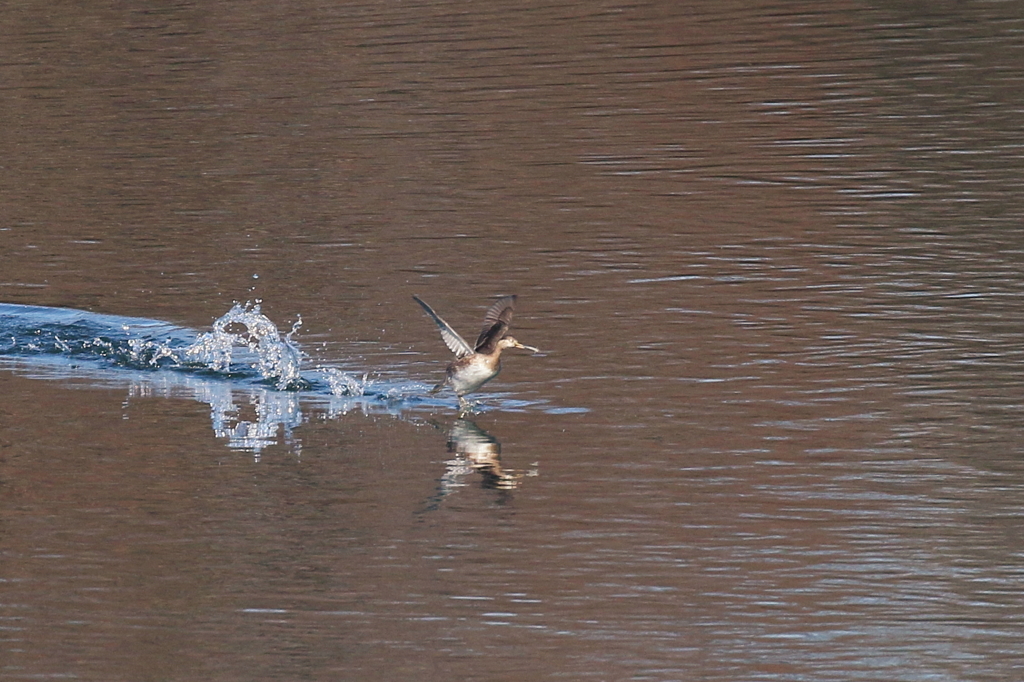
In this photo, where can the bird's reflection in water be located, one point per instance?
(475, 452)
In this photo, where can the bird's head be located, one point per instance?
(510, 342)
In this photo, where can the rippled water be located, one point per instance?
(772, 254)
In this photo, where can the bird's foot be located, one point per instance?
(465, 407)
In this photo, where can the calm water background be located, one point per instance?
(773, 252)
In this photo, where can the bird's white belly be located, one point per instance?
(472, 378)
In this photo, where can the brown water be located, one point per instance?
(773, 254)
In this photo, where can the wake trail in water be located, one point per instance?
(243, 365)
(244, 345)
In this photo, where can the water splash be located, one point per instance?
(343, 384)
(142, 352)
(276, 358)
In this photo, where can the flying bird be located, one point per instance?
(475, 365)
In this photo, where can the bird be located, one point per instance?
(474, 366)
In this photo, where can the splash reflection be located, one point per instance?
(274, 412)
(248, 420)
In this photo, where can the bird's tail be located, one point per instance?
(436, 389)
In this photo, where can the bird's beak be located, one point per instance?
(529, 348)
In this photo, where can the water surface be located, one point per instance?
(771, 251)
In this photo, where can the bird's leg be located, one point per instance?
(464, 407)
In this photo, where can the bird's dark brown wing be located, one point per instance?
(489, 338)
(500, 311)
(496, 324)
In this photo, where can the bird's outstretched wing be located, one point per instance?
(451, 338)
(500, 311)
(497, 320)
